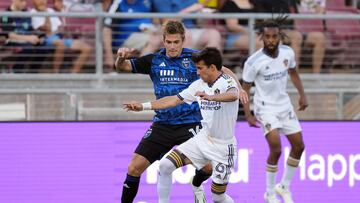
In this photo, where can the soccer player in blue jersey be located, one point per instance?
(171, 70)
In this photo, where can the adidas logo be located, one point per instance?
(162, 64)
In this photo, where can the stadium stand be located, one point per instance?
(99, 96)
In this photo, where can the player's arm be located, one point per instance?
(163, 103)
(228, 96)
(122, 64)
(248, 115)
(295, 78)
(242, 94)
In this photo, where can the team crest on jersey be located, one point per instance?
(186, 63)
(148, 133)
(268, 126)
(286, 63)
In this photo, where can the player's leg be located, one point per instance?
(291, 127)
(274, 142)
(297, 148)
(197, 180)
(270, 124)
(148, 151)
(136, 167)
(221, 175)
(185, 133)
(292, 163)
(167, 165)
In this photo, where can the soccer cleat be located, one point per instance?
(284, 193)
(199, 193)
(270, 198)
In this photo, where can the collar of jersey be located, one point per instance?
(210, 85)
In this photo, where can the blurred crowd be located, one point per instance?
(50, 39)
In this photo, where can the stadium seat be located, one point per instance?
(309, 25)
(345, 33)
(333, 4)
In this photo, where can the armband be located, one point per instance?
(146, 105)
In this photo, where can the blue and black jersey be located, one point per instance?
(170, 76)
(18, 25)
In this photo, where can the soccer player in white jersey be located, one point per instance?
(269, 68)
(218, 98)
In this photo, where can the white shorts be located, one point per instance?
(222, 153)
(286, 122)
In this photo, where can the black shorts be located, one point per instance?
(161, 138)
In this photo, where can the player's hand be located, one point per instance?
(243, 96)
(203, 96)
(132, 106)
(303, 104)
(124, 52)
(252, 121)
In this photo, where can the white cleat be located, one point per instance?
(270, 198)
(284, 193)
(199, 193)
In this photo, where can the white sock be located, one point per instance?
(222, 198)
(271, 171)
(164, 184)
(290, 168)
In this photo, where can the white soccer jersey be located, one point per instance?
(270, 76)
(38, 21)
(219, 118)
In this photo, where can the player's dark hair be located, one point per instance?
(210, 55)
(277, 22)
(174, 27)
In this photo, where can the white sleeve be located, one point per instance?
(37, 21)
(249, 73)
(231, 84)
(188, 94)
(292, 63)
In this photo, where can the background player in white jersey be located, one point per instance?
(217, 95)
(269, 68)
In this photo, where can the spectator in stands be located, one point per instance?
(138, 34)
(216, 4)
(51, 27)
(196, 38)
(85, 5)
(19, 32)
(315, 39)
(312, 6)
(294, 38)
(238, 36)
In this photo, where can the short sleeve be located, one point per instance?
(188, 94)
(142, 64)
(36, 21)
(231, 84)
(292, 63)
(249, 73)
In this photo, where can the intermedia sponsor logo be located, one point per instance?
(80, 162)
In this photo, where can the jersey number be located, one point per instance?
(196, 131)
